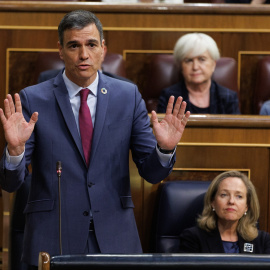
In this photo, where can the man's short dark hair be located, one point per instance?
(78, 19)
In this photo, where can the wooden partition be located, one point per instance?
(211, 144)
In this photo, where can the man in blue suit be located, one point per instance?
(41, 127)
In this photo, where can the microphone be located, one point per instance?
(58, 168)
(59, 171)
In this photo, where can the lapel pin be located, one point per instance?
(248, 247)
(104, 91)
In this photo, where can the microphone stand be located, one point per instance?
(59, 171)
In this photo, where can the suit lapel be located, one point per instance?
(214, 242)
(244, 246)
(62, 97)
(103, 94)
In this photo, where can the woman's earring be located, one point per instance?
(213, 209)
(245, 213)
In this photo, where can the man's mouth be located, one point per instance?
(83, 67)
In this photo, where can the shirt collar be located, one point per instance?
(74, 89)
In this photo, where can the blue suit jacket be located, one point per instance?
(121, 124)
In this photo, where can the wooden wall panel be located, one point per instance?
(248, 79)
(34, 62)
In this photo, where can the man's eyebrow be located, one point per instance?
(93, 40)
(71, 42)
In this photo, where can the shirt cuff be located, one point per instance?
(165, 159)
(13, 161)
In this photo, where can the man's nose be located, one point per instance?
(83, 53)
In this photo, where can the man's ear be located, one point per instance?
(60, 48)
(104, 51)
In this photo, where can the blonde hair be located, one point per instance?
(195, 44)
(247, 225)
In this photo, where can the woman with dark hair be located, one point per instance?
(228, 223)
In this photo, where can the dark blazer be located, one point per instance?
(121, 124)
(196, 240)
(222, 100)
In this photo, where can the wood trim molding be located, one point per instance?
(97, 7)
(259, 145)
(224, 120)
(211, 170)
(144, 29)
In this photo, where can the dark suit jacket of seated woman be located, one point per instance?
(222, 99)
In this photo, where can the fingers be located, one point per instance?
(181, 111)
(18, 104)
(154, 117)
(2, 117)
(185, 118)
(178, 107)
(178, 110)
(33, 118)
(170, 105)
(9, 106)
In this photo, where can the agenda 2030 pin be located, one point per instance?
(104, 91)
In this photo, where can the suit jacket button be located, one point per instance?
(85, 213)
